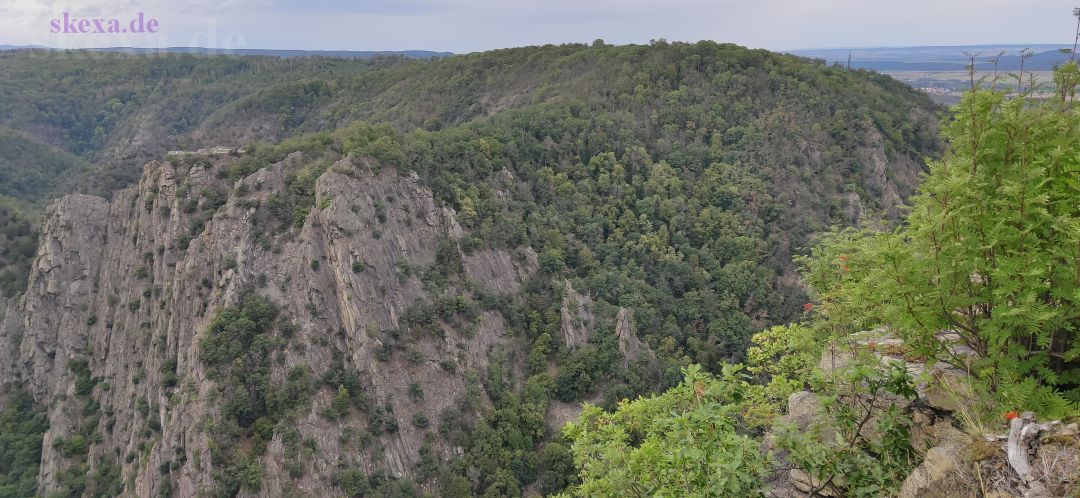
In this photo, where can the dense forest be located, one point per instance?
(703, 102)
(675, 181)
(980, 280)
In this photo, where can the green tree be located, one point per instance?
(21, 430)
(988, 262)
(679, 443)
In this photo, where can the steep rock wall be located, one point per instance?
(129, 288)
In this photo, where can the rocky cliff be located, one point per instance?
(108, 334)
(960, 456)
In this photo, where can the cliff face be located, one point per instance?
(121, 293)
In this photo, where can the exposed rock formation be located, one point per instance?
(1034, 460)
(577, 317)
(129, 286)
(936, 476)
(629, 345)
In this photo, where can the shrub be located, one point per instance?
(862, 439)
(420, 421)
(72, 446)
(680, 443)
(415, 391)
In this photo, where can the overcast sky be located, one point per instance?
(472, 25)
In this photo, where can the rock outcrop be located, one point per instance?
(1034, 460)
(630, 346)
(935, 477)
(577, 317)
(127, 289)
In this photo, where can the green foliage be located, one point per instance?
(502, 446)
(21, 429)
(683, 442)
(782, 358)
(663, 192)
(68, 447)
(990, 251)
(860, 441)
(18, 244)
(30, 170)
(237, 349)
(84, 381)
(356, 484)
(105, 481)
(339, 406)
(557, 470)
(353, 483)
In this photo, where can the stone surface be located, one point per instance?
(947, 388)
(936, 477)
(630, 346)
(114, 284)
(803, 409)
(930, 428)
(577, 316)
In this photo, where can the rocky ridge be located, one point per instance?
(122, 291)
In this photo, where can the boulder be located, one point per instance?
(930, 428)
(947, 388)
(802, 409)
(937, 477)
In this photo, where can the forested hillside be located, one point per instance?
(576, 222)
(939, 357)
(118, 111)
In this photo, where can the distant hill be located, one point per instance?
(344, 54)
(942, 58)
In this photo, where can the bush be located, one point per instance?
(84, 381)
(861, 439)
(73, 446)
(353, 483)
(680, 443)
(415, 391)
(420, 421)
(237, 350)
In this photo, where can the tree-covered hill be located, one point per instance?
(805, 129)
(939, 357)
(114, 107)
(656, 194)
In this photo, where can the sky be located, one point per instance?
(473, 25)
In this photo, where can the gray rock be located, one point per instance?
(86, 267)
(577, 317)
(803, 409)
(936, 476)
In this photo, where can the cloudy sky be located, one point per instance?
(472, 25)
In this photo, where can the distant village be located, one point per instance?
(937, 91)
